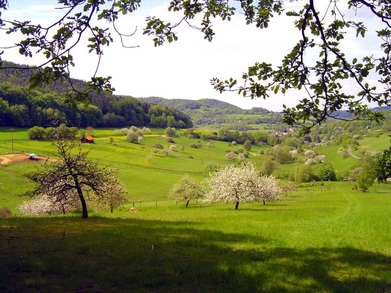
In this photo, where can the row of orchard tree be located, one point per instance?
(73, 182)
(230, 184)
(21, 107)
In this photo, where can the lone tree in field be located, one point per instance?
(73, 175)
(241, 184)
(186, 189)
(364, 173)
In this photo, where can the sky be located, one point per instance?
(182, 69)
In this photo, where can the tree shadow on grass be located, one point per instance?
(127, 255)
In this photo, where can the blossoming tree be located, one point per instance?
(73, 177)
(241, 184)
(186, 189)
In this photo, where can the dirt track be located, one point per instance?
(15, 158)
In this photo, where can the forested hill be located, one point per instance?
(216, 114)
(183, 104)
(46, 106)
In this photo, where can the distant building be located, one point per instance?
(87, 139)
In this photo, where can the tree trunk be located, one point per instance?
(83, 202)
(187, 203)
(236, 205)
(81, 196)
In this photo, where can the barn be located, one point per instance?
(87, 139)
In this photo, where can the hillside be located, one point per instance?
(22, 107)
(116, 111)
(183, 104)
(216, 114)
(47, 106)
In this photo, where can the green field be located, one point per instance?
(324, 237)
(319, 239)
(147, 176)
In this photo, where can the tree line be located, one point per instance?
(22, 107)
(49, 105)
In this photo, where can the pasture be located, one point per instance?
(324, 237)
(147, 175)
(317, 239)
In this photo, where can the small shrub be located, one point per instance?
(170, 131)
(132, 137)
(146, 129)
(241, 157)
(123, 131)
(196, 145)
(230, 156)
(36, 133)
(212, 167)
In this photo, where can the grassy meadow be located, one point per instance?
(147, 176)
(324, 237)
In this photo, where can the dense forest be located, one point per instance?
(47, 107)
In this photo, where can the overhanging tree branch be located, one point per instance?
(319, 82)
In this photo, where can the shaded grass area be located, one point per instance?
(120, 255)
(315, 240)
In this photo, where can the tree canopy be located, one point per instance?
(318, 65)
(241, 184)
(21, 107)
(186, 189)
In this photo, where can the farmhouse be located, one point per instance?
(87, 139)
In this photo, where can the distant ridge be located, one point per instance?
(384, 108)
(216, 114)
(347, 115)
(184, 104)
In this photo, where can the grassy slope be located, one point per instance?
(324, 238)
(315, 240)
(147, 176)
(341, 165)
(379, 143)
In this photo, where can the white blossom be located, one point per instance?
(241, 184)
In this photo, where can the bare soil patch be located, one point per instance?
(17, 158)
